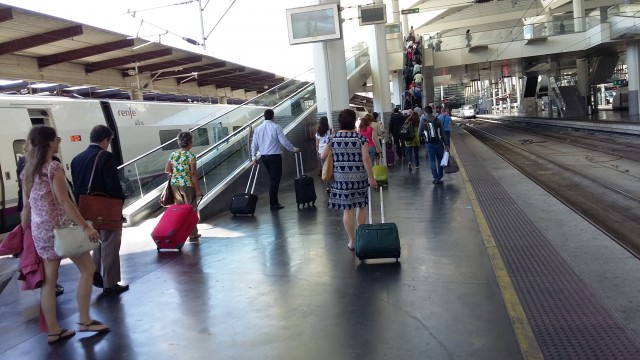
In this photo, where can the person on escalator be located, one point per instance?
(184, 176)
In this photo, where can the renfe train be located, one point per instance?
(138, 127)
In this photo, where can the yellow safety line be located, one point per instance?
(526, 340)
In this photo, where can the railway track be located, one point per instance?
(615, 210)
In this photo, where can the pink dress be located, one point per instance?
(45, 214)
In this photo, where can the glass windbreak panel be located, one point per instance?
(510, 34)
(221, 161)
(168, 139)
(201, 137)
(218, 163)
(289, 99)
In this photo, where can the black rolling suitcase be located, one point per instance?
(245, 203)
(376, 241)
(305, 188)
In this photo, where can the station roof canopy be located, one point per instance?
(64, 57)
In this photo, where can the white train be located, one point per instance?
(139, 127)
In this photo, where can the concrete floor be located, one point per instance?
(283, 285)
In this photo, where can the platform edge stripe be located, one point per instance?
(526, 339)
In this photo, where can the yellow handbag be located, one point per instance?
(327, 167)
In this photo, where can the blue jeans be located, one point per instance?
(372, 155)
(435, 153)
(412, 151)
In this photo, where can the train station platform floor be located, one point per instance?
(492, 267)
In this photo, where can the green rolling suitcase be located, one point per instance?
(376, 241)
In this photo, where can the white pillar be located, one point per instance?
(578, 15)
(332, 89)
(380, 71)
(633, 69)
(395, 10)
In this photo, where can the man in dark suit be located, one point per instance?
(105, 180)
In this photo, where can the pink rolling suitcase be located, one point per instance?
(174, 227)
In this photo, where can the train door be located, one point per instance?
(17, 123)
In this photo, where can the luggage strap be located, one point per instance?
(371, 203)
(255, 179)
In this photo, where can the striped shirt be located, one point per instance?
(267, 139)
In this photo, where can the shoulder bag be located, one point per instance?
(69, 241)
(103, 211)
(166, 198)
(327, 167)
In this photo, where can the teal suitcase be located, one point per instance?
(377, 241)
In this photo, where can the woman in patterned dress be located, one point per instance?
(184, 175)
(352, 173)
(47, 201)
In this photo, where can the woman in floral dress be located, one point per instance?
(184, 175)
(47, 201)
(352, 173)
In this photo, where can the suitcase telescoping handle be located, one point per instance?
(255, 179)
(371, 205)
(299, 170)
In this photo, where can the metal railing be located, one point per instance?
(514, 33)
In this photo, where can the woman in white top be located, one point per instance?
(323, 135)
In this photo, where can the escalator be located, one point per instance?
(224, 163)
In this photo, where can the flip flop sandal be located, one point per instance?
(63, 335)
(90, 327)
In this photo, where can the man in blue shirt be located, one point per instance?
(267, 139)
(445, 119)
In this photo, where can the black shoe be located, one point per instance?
(116, 289)
(277, 207)
(97, 280)
(59, 290)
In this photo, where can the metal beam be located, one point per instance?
(215, 74)
(71, 55)
(125, 60)
(40, 39)
(201, 68)
(6, 14)
(170, 64)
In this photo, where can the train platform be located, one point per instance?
(492, 267)
(603, 120)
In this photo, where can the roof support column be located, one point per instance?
(633, 69)
(332, 88)
(380, 70)
(578, 15)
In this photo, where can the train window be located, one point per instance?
(18, 149)
(169, 136)
(200, 137)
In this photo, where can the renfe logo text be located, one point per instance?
(130, 113)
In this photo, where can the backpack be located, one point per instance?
(407, 132)
(431, 132)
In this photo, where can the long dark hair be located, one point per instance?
(323, 126)
(39, 138)
(415, 119)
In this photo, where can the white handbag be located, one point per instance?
(445, 159)
(70, 241)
